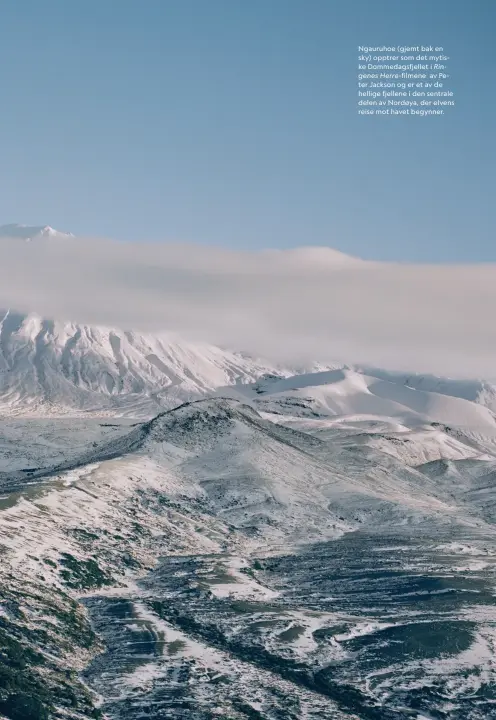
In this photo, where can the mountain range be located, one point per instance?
(54, 367)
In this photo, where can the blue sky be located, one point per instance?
(233, 123)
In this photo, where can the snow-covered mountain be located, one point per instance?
(317, 545)
(32, 232)
(48, 366)
(51, 367)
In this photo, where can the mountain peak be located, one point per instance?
(313, 256)
(31, 232)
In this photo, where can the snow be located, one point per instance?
(242, 586)
(478, 391)
(349, 392)
(361, 629)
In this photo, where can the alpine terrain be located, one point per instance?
(190, 532)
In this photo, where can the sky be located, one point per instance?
(233, 124)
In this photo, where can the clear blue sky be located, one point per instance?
(233, 122)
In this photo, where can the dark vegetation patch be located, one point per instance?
(411, 641)
(32, 685)
(83, 574)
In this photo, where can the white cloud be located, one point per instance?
(298, 305)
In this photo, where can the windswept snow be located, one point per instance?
(346, 392)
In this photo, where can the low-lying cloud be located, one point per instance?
(291, 306)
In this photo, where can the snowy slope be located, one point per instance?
(283, 483)
(349, 408)
(241, 513)
(349, 393)
(478, 391)
(52, 368)
(279, 483)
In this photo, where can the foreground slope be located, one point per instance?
(237, 568)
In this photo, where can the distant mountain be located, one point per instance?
(319, 256)
(31, 232)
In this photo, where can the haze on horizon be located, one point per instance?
(303, 305)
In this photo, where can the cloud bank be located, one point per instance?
(290, 306)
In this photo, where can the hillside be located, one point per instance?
(231, 565)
